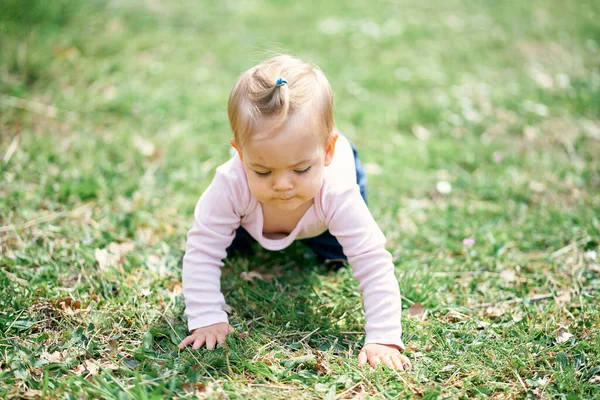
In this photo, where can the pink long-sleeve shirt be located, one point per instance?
(227, 203)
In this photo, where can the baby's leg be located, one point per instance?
(328, 249)
(242, 243)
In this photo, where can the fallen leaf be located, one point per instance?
(483, 324)
(104, 259)
(67, 303)
(594, 267)
(322, 368)
(88, 366)
(92, 367)
(113, 255)
(563, 298)
(538, 394)
(32, 394)
(121, 249)
(194, 387)
(146, 147)
(538, 187)
(417, 311)
(508, 275)
(448, 367)
(518, 316)
(251, 275)
(56, 356)
(562, 335)
(495, 311)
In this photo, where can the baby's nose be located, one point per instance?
(282, 183)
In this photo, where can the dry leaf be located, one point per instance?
(448, 367)
(417, 311)
(113, 254)
(54, 357)
(249, 276)
(194, 387)
(563, 298)
(88, 366)
(495, 311)
(322, 368)
(518, 316)
(594, 267)
(144, 146)
(562, 335)
(32, 394)
(508, 275)
(538, 394)
(538, 187)
(483, 324)
(104, 259)
(121, 249)
(92, 367)
(67, 303)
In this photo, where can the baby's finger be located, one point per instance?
(186, 341)
(221, 339)
(406, 362)
(362, 358)
(387, 360)
(374, 361)
(211, 340)
(230, 329)
(398, 362)
(199, 342)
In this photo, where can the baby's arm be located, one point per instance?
(215, 221)
(349, 219)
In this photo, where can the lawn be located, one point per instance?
(478, 122)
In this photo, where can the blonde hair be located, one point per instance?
(257, 95)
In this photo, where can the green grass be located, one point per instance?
(113, 120)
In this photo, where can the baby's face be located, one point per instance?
(285, 168)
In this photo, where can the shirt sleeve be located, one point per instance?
(351, 222)
(216, 218)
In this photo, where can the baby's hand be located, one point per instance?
(389, 355)
(209, 335)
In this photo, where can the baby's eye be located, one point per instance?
(302, 171)
(263, 173)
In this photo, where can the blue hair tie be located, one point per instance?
(280, 81)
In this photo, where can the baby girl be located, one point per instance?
(292, 177)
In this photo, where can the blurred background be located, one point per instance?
(478, 123)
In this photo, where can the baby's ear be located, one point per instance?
(330, 147)
(236, 146)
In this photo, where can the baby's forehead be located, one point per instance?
(301, 124)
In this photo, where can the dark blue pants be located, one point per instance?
(325, 246)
